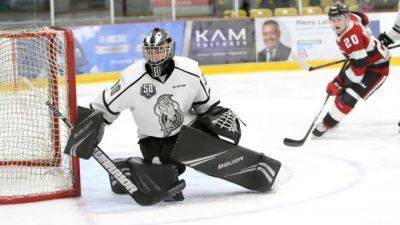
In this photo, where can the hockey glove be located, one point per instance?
(335, 87)
(385, 39)
(87, 133)
(222, 121)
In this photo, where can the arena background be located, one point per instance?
(220, 45)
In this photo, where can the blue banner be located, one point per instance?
(107, 48)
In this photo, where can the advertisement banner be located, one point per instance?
(310, 37)
(107, 48)
(221, 41)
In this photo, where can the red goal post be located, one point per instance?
(32, 138)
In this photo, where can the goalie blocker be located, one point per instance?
(142, 184)
(224, 160)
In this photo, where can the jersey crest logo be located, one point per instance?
(170, 115)
(148, 90)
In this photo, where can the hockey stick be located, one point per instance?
(298, 143)
(394, 46)
(305, 66)
(325, 65)
(104, 160)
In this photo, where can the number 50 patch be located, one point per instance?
(147, 90)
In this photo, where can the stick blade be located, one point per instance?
(293, 143)
(304, 65)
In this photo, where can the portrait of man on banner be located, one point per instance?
(274, 49)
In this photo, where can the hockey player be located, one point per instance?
(392, 35)
(163, 92)
(368, 64)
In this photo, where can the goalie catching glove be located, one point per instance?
(222, 121)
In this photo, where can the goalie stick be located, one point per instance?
(104, 160)
(298, 143)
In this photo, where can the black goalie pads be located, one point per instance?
(222, 121)
(153, 181)
(83, 143)
(123, 165)
(221, 159)
(86, 134)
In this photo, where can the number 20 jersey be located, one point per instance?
(363, 50)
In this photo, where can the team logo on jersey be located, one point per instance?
(148, 90)
(170, 115)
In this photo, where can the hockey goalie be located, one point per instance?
(179, 124)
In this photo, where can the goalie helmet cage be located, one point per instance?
(32, 138)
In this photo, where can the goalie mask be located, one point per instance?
(158, 48)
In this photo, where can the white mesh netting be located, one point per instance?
(226, 121)
(31, 137)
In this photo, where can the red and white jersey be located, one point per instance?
(363, 50)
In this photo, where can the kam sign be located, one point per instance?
(222, 41)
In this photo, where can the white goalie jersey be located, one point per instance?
(394, 33)
(158, 108)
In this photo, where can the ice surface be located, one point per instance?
(350, 176)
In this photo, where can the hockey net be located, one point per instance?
(32, 138)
